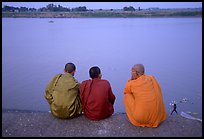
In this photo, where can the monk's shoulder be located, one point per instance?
(106, 82)
(152, 77)
(85, 81)
(57, 76)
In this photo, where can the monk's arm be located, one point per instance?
(111, 95)
(127, 89)
(82, 91)
(157, 84)
(48, 93)
(49, 89)
(78, 84)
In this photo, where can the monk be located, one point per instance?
(143, 99)
(96, 96)
(62, 94)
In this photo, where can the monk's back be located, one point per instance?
(147, 106)
(97, 98)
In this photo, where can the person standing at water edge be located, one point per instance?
(62, 94)
(143, 99)
(174, 109)
(96, 96)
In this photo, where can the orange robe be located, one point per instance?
(143, 102)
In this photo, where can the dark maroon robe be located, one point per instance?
(97, 99)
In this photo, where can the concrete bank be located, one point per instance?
(43, 124)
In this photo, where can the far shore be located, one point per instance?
(105, 14)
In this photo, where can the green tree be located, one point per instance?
(130, 8)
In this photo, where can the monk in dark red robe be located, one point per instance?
(96, 96)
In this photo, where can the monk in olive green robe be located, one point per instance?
(143, 99)
(62, 94)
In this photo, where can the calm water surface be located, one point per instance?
(34, 50)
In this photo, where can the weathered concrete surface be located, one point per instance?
(36, 124)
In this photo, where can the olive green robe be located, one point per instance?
(62, 93)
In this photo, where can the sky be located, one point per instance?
(107, 5)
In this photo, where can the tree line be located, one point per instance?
(55, 8)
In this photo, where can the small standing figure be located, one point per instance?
(174, 109)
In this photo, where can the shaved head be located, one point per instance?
(70, 67)
(139, 68)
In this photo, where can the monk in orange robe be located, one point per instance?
(143, 99)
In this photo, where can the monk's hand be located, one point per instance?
(133, 77)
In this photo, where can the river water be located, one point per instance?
(34, 50)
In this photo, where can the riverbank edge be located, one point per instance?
(19, 123)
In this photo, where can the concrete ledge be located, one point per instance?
(43, 124)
